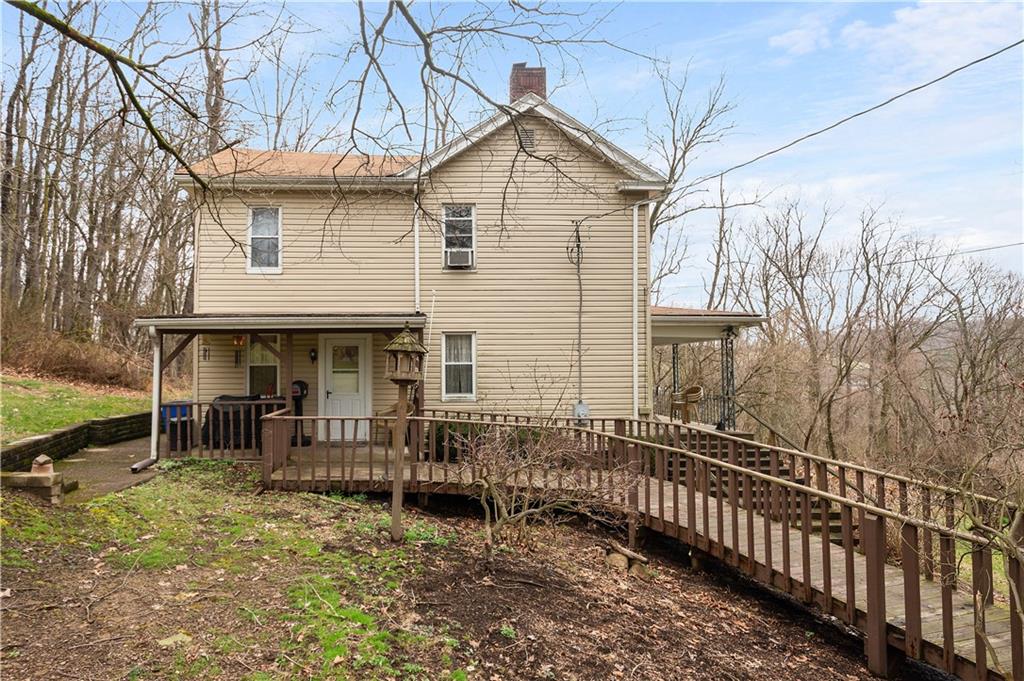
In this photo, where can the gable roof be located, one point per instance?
(576, 131)
(242, 167)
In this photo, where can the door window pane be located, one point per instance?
(345, 369)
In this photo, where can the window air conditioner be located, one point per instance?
(458, 259)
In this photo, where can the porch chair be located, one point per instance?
(383, 426)
(684, 404)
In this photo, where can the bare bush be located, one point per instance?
(524, 475)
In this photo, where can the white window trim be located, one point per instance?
(444, 242)
(456, 397)
(249, 268)
(275, 363)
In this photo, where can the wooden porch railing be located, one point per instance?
(214, 429)
(889, 555)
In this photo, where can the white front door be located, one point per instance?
(345, 381)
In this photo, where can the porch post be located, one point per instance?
(728, 406)
(286, 370)
(154, 421)
(398, 481)
(675, 368)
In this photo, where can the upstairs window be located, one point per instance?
(458, 378)
(264, 240)
(460, 237)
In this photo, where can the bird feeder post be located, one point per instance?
(404, 357)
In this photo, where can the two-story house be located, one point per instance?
(519, 252)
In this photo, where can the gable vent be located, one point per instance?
(526, 138)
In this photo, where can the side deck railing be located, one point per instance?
(897, 545)
(967, 634)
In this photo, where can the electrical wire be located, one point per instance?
(876, 107)
(574, 252)
(950, 254)
(821, 131)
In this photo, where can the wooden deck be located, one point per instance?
(769, 550)
(752, 542)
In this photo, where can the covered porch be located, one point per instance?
(675, 326)
(248, 366)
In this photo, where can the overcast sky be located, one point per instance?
(946, 162)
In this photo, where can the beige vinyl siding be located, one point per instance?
(218, 375)
(520, 300)
(339, 254)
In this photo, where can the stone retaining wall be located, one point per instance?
(17, 456)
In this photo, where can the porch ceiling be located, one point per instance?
(235, 323)
(681, 325)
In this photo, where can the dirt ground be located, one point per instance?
(195, 574)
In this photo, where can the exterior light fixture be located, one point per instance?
(312, 355)
(239, 343)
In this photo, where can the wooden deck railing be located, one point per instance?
(746, 497)
(812, 527)
(912, 496)
(228, 429)
(921, 499)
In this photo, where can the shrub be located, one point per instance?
(32, 349)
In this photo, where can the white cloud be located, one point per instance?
(811, 35)
(935, 36)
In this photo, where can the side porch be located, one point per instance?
(246, 367)
(690, 401)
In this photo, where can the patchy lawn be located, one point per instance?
(195, 574)
(31, 406)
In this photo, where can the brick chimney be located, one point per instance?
(525, 79)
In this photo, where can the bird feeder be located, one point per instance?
(404, 358)
(403, 367)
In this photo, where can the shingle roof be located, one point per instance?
(255, 163)
(668, 311)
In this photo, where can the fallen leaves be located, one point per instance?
(175, 640)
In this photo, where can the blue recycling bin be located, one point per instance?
(177, 422)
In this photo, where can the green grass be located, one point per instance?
(32, 407)
(336, 573)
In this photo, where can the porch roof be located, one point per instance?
(235, 323)
(690, 325)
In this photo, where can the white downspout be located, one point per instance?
(154, 420)
(636, 332)
(636, 305)
(416, 254)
